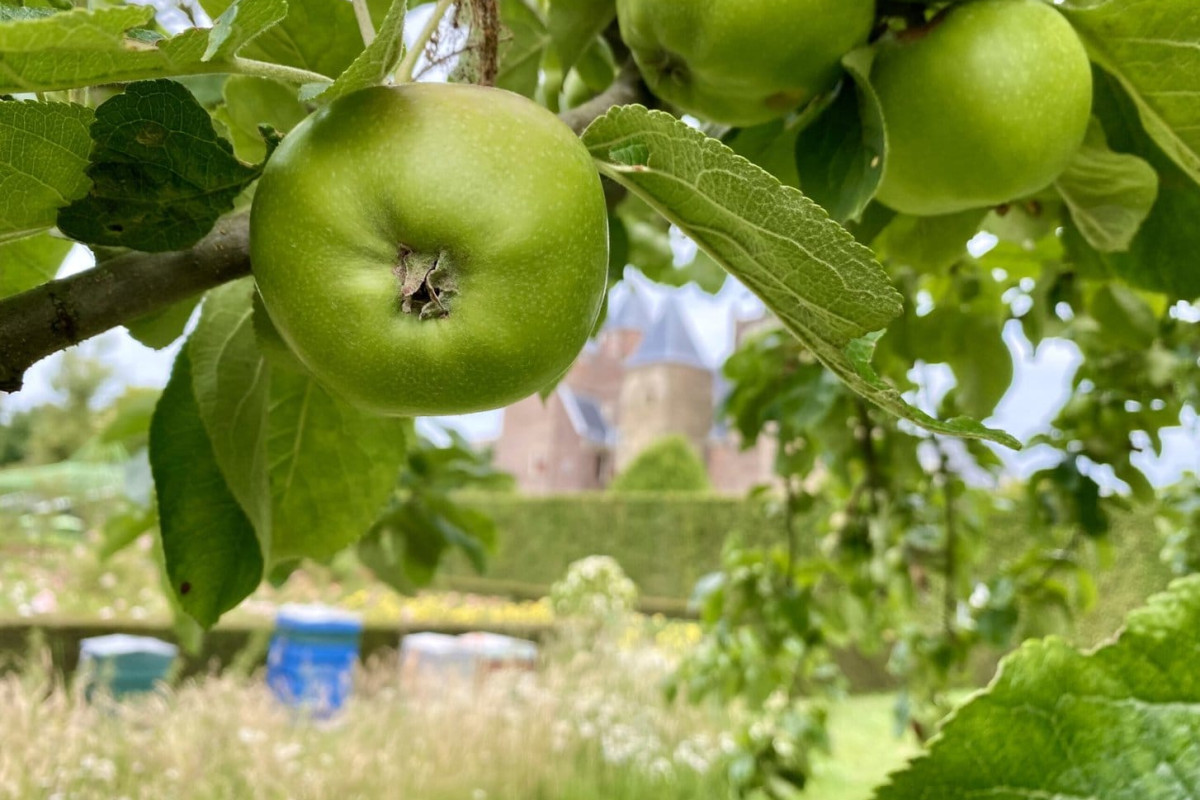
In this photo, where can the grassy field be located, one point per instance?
(585, 727)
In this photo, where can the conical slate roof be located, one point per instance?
(633, 313)
(669, 341)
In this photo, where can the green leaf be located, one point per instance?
(1126, 319)
(1162, 255)
(771, 146)
(161, 176)
(254, 102)
(374, 63)
(825, 287)
(840, 156)
(212, 555)
(574, 23)
(238, 24)
(231, 378)
(1151, 49)
(1121, 721)
(317, 35)
(130, 423)
(123, 529)
(84, 48)
(332, 467)
(521, 54)
(29, 262)
(1109, 194)
(162, 328)
(930, 244)
(970, 340)
(43, 152)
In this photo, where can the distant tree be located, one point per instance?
(14, 438)
(669, 465)
(57, 430)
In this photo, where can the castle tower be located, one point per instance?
(668, 389)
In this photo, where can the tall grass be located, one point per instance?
(589, 725)
(570, 731)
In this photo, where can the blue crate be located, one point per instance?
(310, 664)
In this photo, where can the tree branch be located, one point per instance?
(627, 88)
(62, 313)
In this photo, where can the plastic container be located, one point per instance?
(310, 664)
(491, 652)
(435, 657)
(438, 657)
(124, 665)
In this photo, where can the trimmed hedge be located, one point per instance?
(666, 542)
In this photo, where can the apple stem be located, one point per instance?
(280, 72)
(404, 72)
(365, 26)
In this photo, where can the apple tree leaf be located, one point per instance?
(1108, 194)
(1161, 256)
(238, 24)
(161, 176)
(30, 261)
(824, 286)
(231, 380)
(43, 152)
(211, 551)
(332, 467)
(317, 35)
(373, 64)
(160, 329)
(521, 53)
(840, 156)
(930, 244)
(1151, 48)
(1121, 721)
(250, 103)
(574, 23)
(83, 48)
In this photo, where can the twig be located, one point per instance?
(265, 69)
(365, 26)
(404, 72)
(627, 88)
(950, 590)
(61, 313)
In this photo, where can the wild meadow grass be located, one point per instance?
(589, 725)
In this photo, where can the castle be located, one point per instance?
(641, 378)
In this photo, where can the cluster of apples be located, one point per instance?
(439, 249)
(984, 104)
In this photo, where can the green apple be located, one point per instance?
(742, 62)
(431, 248)
(984, 105)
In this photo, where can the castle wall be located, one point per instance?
(735, 471)
(662, 399)
(541, 449)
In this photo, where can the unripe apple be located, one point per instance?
(984, 105)
(742, 62)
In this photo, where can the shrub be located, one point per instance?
(669, 465)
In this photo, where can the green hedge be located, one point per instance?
(666, 542)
